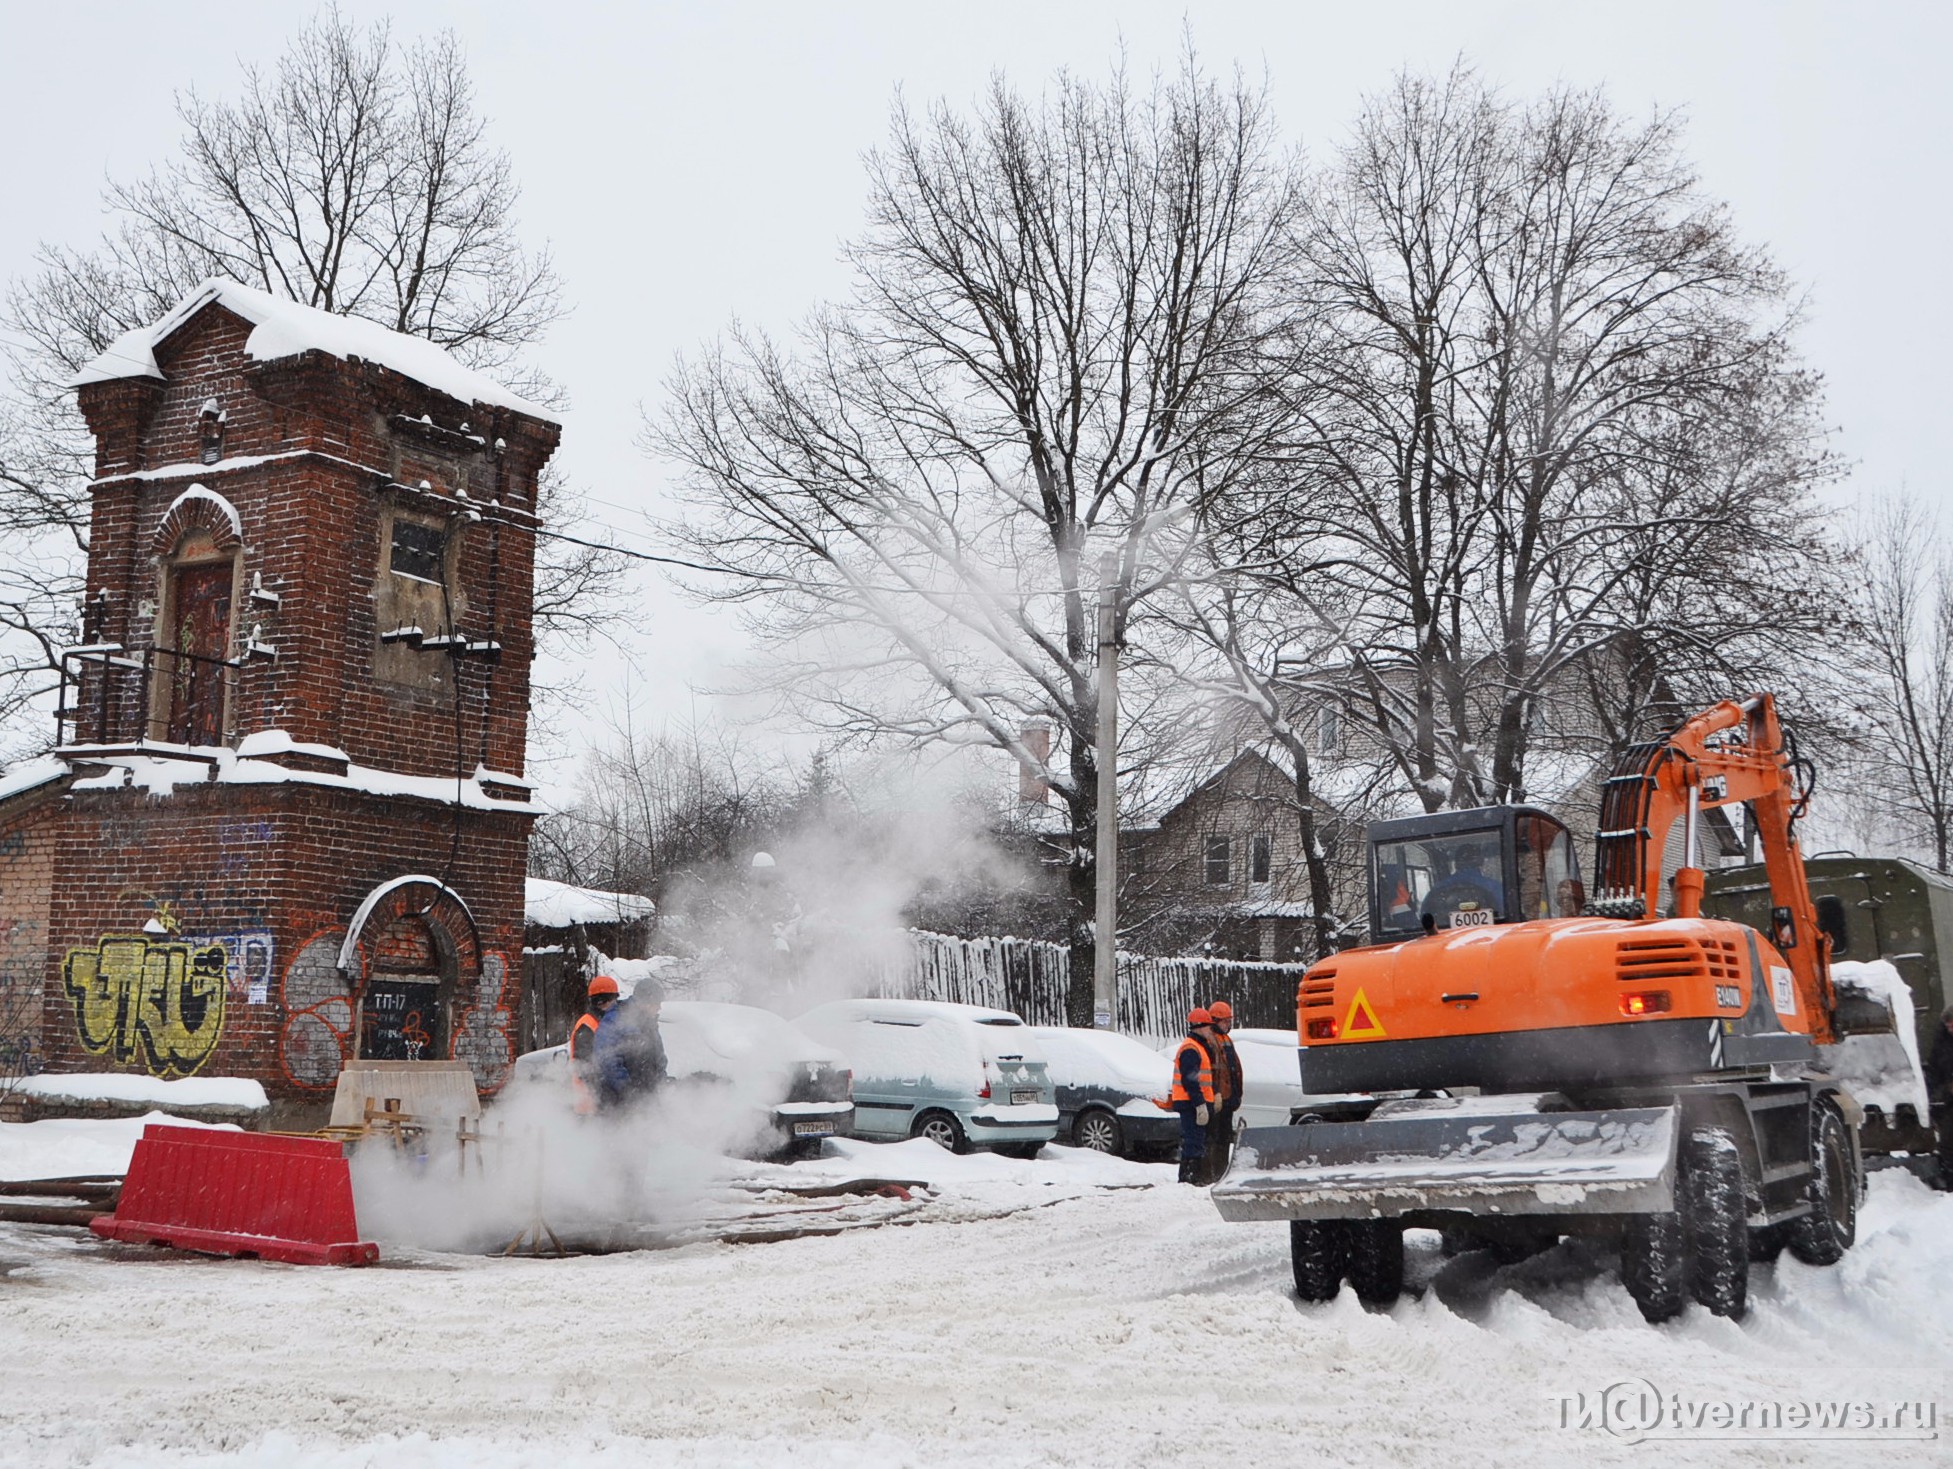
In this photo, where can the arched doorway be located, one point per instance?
(403, 1012)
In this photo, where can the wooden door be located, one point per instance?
(197, 645)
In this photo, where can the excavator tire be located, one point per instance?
(1822, 1236)
(1654, 1265)
(1715, 1222)
(1376, 1260)
(1318, 1249)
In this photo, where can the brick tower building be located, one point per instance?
(286, 824)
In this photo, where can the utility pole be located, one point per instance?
(1105, 938)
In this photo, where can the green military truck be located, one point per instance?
(1873, 908)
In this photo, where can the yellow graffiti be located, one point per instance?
(157, 1000)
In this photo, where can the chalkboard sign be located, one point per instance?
(401, 1020)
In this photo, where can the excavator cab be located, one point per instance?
(1467, 869)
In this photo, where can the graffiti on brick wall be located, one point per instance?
(319, 1019)
(239, 843)
(153, 1000)
(248, 961)
(13, 844)
(484, 1037)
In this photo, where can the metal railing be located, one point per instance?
(111, 695)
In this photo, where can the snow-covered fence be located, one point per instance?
(1029, 976)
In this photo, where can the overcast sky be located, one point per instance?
(689, 163)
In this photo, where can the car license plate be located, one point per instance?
(813, 1129)
(1023, 1099)
(1472, 918)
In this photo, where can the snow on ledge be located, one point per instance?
(30, 774)
(260, 743)
(283, 328)
(550, 904)
(204, 492)
(122, 1086)
(160, 769)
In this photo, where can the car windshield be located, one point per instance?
(1457, 880)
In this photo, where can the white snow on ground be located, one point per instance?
(1037, 1317)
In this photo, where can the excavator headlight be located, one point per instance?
(1646, 1002)
(1323, 1029)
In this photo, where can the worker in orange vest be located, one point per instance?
(1193, 1091)
(602, 994)
(1227, 1091)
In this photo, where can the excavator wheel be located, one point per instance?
(1653, 1265)
(1822, 1236)
(1715, 1222)
(1376, 1260)
(1318, 1249)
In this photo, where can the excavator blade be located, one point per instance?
(1410, 1157)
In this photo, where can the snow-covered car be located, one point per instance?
(1271, 1075)
(1105, 1085)
(787, 1089)
(960, 1075)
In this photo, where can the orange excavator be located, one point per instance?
(1517, 1059)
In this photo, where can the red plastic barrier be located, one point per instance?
(240, 1193)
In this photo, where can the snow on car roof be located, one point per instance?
(1101, 1057)
(741, 1032)
(916, 1010)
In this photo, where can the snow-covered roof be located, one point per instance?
(30, 774)
(549, 904)
(283, 328)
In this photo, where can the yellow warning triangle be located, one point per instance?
(1361, 1022)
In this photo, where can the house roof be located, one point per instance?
(549, 904)
(282, 328)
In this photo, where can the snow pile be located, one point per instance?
(73, 1147)
(1881, 1070)
(29, 774)
(283, 328)
(124, 1086)
(549, 904)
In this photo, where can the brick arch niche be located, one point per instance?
(411, 953)
(198, 546)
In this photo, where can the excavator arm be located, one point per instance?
(1729, 754)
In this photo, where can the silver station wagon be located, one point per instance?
(960, 1075)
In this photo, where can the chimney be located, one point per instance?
(1032, 788)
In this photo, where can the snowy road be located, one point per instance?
(1113, 1327)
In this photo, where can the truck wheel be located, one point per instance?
(1715, 1222)
(1317, 1249)
(1652, 1262)
(1376, 1260)
(1767, 1243)
(1822, 1236)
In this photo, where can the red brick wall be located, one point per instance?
(273, 875)
(28, 831)
(312, 529)
(199, 931)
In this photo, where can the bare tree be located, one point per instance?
(1905, 620)
(1059, 346)
(1555, 419)
(355, 176)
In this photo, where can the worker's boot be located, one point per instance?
(1186, 1170)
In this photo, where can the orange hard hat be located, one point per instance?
(1221, 1010)
(603, 984)
(1199, 1015)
